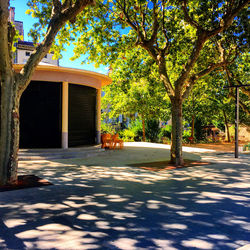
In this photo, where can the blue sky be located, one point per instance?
(20, 9)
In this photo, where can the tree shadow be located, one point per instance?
(94, 206)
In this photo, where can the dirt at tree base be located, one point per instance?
(167, 165)
(26, 181)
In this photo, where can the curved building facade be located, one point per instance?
(61, 107)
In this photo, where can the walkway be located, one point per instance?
(102, 203)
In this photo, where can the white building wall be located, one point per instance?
(23, 56)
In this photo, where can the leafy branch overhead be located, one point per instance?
(185, 41)
(13, 83)
(174, 35)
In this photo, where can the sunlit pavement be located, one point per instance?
(102, 203)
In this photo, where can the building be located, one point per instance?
(24, 50)
(18, 24)
(61, 107)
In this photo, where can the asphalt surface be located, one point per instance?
(103, 203)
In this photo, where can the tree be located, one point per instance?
(209, 95)
(135, 91)
(13, 84)
(182, 37)
(238, 74)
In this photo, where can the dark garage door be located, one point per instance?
(40, 116)
(82, 113)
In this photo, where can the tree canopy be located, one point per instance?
(186, 40)
(13, 84)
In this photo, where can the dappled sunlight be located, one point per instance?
(164, 244)
(197, 243)
(14, 222)
(86, 217)
(174, 226)
(96, 203)
(218, 196)
(125, 243)
(218, 237)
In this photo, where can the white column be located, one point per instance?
(98, 116)
(65, 111)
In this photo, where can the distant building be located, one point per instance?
(18, 24)
(24, 48)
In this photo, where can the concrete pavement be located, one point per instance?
(103, 203)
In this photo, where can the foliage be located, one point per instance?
(216, 104)
(136, 127)
(165, 132)
(185, 40)
(186, 135)
(135, 91)
(107, 128)
(134, 131)
(152, 129)
(200, 133)
(127, 135)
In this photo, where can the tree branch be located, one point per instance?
(230, 75)
(67, 4)
(55, 24)
(155, 28)
(231, 94)
(164, 75)
(57, 7)
(5, 46)
(129, 21)
(143, 21)
(200, 41)
(187, 17)
(202, 37)
(193, 79)
(243, 106)
(228, 18)
(164, 31)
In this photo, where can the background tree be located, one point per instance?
(134, 90)
(13, 84)
(209, 102)
(181, 37)
(238, 74)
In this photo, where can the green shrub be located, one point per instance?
(152, 130)
(127, 135)
(186, 134)
(107, 128)
(199, 132)
(136, 127)
(165, 132)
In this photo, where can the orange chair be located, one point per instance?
(117, 141)
(107, 141)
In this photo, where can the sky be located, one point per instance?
(28, 21)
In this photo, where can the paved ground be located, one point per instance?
(219, 146)
(103, 203)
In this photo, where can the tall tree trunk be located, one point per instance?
(176, 142)
(143, 129)
(9, 136)
(192, 129)
(227, 127)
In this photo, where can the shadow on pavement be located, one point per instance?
(118, 207)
